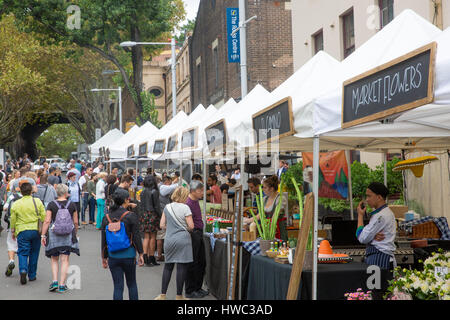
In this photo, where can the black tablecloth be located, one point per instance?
(269, 280)
(216, 269)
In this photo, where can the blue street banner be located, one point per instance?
(234, 54)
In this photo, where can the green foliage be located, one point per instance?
(360, 178)
(184, 30)
(59, 139)
(394, 178)
(150, 113)
(294, 172)
(335, 205)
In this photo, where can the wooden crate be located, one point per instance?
(248, 236)
(427, 230)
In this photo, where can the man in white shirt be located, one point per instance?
(99, 168)
(379, 234)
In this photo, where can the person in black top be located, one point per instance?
(110, 188)
(150, 218)
(123, 262)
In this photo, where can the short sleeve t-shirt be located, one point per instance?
(217, 195)
(54, 208)
(196, 213)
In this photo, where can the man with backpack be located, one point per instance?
(74, 189)
(84, 194)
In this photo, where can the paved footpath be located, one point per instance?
(96, 282)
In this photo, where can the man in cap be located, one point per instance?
(379, 234)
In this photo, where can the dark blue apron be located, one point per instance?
(378, 258)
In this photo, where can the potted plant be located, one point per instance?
(268, 226)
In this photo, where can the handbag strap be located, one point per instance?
(174, 216)
(35, 208)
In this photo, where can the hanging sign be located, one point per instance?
(159, 145)
(397, 86)
(274, 122)
(189, 138)
(130, 151)
(143, 149)
(172, 143)
(216, 136)
(234, 49)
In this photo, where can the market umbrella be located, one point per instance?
(415, 165)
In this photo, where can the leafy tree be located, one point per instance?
(150, 113)
(59, 139)
(103, 25)
(185, 29)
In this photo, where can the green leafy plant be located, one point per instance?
(268, 226)
(149, 110)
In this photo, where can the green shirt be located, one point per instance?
(24, 215)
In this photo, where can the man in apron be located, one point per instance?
(379, 234)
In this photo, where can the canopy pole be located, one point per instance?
(385, 167)
(180, 183)
(205, 169)
(316, 159)
(405, 183)
(350, 189)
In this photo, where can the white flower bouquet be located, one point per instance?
(433, 283)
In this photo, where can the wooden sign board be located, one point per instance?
(172, 143)
(274, 122)
(236, 238)
(216, 135)
(159, 145)
(143, 149)
(189, 138)
(397, 86)
(130, 151)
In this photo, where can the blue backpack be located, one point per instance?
(116, 235)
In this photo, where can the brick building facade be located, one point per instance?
(269, 50)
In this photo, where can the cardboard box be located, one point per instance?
(399, 211)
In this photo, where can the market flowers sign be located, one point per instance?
(397, 86)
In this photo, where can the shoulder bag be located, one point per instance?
(39, 222)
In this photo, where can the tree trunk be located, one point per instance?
(137, 58)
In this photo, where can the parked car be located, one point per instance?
(60, 163)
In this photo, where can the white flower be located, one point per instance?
(416, 284)
(424, 287)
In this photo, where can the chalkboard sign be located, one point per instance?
(216, 135)
(130, 151)
(172, 143)
(397, 86)
(189, 138)
(158, 147)
(143, 149)
(236, 239)
(274, 122)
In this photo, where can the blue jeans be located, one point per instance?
(29, 245)
(118, 268)
(84, 205)
(92, 204)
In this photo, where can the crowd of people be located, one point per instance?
(158, 214)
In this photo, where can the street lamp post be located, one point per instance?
(120, 103)
(174, 63)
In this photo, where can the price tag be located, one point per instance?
(440, 271)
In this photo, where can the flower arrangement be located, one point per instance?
(359, 295)
(423, 285)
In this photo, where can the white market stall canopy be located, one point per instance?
(107, 139)
(141, 144)
(117, 150)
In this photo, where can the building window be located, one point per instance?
(348, 25)
(386, 12)
(216, 65)
(318, 41)
(156, 91)
(199, 82)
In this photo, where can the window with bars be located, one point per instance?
(386, 12)
(348, 25)
(318, 41)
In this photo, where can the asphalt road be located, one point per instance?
(95, 282)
